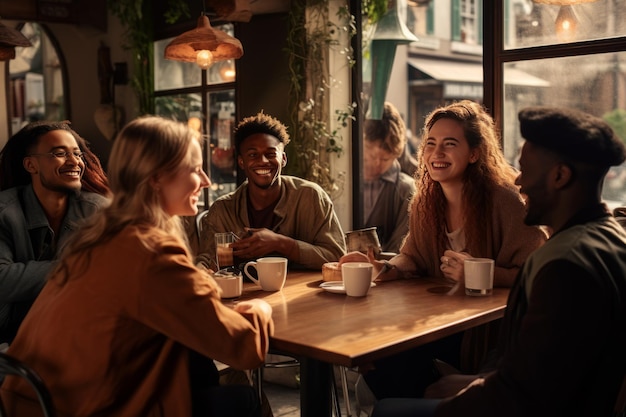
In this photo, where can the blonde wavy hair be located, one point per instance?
(491, 170)
(146, 148)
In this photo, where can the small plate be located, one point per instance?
(336, 287)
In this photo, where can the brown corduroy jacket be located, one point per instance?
(114, 339)
(510, 241)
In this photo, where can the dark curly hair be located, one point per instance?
(260, 123)
(491, 170)
(13, 174)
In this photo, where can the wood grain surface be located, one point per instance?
(393, 317)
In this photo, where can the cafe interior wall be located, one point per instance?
(261, 89)
(79, 45)
(258, 89)
(4, 126)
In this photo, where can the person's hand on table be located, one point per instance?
(452, 265)
(356, 256)
(255, 306)
(387, 274)
(203, 267)
(256, 243)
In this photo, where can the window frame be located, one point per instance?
(495, 56)
(457, 14)
(204, 89)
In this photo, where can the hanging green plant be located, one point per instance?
(374, 9)
(312, 34)
(136, 17)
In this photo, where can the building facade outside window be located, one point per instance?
(469, 28)
(522, 58)
(583, 62)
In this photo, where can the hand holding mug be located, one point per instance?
(452, 265)
(354, 256)
(371, 258)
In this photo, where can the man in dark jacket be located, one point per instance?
(46, 169)
(563, 336)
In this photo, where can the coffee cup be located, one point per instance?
(357, 278)
(231, 283)
(478, 276)
(271, 272)
(223, 250)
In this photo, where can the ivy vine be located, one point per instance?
(136, 17)
(312, 34)
(310, 37)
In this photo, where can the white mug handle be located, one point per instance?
(245, 270)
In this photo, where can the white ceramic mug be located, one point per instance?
(271, 272)
(231, 283)
(478, 276)
(357, 278)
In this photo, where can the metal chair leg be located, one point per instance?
(344, 385)
(335, 396)
(346, 393)
(257, 382)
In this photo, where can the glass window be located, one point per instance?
(594, 87)
(466, 21)
(179, 106)
(170, 74)
(532, 24)
(221, 146)
(469, 33)
(589, 75)
(205, 99)
(420, 19)
(430, 19)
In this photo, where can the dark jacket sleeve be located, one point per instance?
(558, 348)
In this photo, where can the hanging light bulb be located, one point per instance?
(566, 23)
(204, 59)
(227, 71)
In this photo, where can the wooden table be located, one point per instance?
(322, 328)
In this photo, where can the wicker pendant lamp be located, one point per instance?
(9, 39)
(203, 45)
